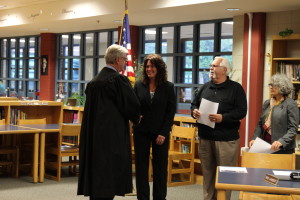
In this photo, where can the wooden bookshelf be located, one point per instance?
(11, 111)
(8, 99)
(50, 110)
(72, 114)
(285, 51)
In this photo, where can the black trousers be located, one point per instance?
(142, 144)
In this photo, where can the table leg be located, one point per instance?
(221, 195)
(35, 157)
(42, 157)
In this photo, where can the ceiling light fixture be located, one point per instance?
(231, 23)
(186, 2)
(232, 9)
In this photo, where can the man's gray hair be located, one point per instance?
(114, 51)
(283, 83)
(224, 63)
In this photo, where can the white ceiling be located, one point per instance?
(29, 17)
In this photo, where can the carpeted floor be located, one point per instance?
(23, 189)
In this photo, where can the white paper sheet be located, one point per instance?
(233, 169)
(282, 175)
(207, 107)
(260, 146)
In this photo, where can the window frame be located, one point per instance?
(61, 69)
(20, 77)
(178, 53)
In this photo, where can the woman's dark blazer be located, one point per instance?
(158, 116)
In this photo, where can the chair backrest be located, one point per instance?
(70, 129)
(31, 121)
(183, 133)
(2, 122)
(69, 134)
(271, 161)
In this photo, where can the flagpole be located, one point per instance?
(126, 4)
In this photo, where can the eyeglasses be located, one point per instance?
(271, 85)
(124, 58)
(215, 66)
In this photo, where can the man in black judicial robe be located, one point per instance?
(105, 153)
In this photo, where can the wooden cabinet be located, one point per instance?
(13, 110)
(286, 59)
(285, 51)
(72, 114)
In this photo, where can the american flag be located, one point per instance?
(125, 42)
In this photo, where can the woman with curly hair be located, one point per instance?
(278, 124)
(158, 107)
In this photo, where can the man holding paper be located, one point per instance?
(218, 106)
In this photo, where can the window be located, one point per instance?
(19, 70)
(80, 58)
(188, 49)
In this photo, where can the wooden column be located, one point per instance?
(47, 76)
(256, 72)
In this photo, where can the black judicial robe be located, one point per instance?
(105, 153)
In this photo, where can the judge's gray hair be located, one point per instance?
(283, 83)
(224, 63)
(114, 51)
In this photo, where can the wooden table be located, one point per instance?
(43, 129)
(13, 129)
(253, 181)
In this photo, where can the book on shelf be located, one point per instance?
(68, 116)
(70, 139)
(16, 114)
(291, 70)
(75, 117)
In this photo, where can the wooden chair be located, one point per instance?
(31, 121)
(181, 163)
(295, 197)
(26, 142)
(271, 161)
(63, 149)
(9, 153)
